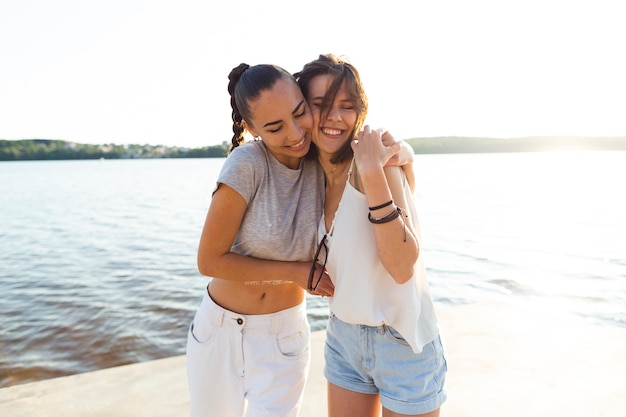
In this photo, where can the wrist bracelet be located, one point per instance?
(388, 203)
(386, 219)
(389, 217)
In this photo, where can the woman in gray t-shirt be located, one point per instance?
(248, 345)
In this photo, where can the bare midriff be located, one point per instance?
(255, 297)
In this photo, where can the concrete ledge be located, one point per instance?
(502, 360)
(156, 388)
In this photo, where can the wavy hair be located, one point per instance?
(342, 72)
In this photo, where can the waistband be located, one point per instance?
(380, 329)
(274, 322)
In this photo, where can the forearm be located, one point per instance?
(395, 241)
(410, 175)
(235, 267)
(406, 162)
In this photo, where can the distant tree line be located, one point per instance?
(49, 149)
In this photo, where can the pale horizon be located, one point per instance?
(138, 72)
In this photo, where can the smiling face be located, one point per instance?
(332, 125)
(281, 117)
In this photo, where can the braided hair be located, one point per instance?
(246, 83)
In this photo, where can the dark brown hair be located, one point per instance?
(341, 71)
(246, 83)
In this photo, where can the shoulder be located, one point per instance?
(245, 169)
(247, 158)
(246, 161)
(252, 150)
(311, 164)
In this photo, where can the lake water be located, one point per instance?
(97, 258)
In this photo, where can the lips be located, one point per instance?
(299, 144)
(331, 132)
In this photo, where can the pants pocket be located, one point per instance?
(293, 344)
(201, 331)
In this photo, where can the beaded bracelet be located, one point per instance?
(388, 203)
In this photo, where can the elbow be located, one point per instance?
(212, 264)
(203, 269)
(402, 277)
(204, 266)
(404, 271)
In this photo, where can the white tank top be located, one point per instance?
(365, 293)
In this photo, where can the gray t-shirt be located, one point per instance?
(284, 205)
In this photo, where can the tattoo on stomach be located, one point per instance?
(270, 282)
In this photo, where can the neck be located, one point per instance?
(325, 161)
(335, 173)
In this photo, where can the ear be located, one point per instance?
(249, 128)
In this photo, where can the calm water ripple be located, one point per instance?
(97, 258)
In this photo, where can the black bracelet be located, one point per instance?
(388, 203)
(389, 217)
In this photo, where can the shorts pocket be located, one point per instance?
(395, 336)
(293, 344)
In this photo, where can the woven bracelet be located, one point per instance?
(388, 203)
(389, 217)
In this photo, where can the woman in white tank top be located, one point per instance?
(383, 347)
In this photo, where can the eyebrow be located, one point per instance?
(296, 110)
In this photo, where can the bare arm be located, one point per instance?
(216, 260)
(396, 241)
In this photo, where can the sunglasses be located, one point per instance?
(316, 260)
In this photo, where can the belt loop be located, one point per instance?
(217, 317)
(276, 325)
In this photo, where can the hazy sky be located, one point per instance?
(132, 71)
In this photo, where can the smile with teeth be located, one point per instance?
(297, 145)
(331, 132)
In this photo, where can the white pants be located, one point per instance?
(247, 365)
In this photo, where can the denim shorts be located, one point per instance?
(377, 360)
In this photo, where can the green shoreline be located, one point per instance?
(53, 149)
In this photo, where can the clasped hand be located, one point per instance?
(378, 148)
(325, 286)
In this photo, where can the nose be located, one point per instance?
(334, 113)
(297, 131)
